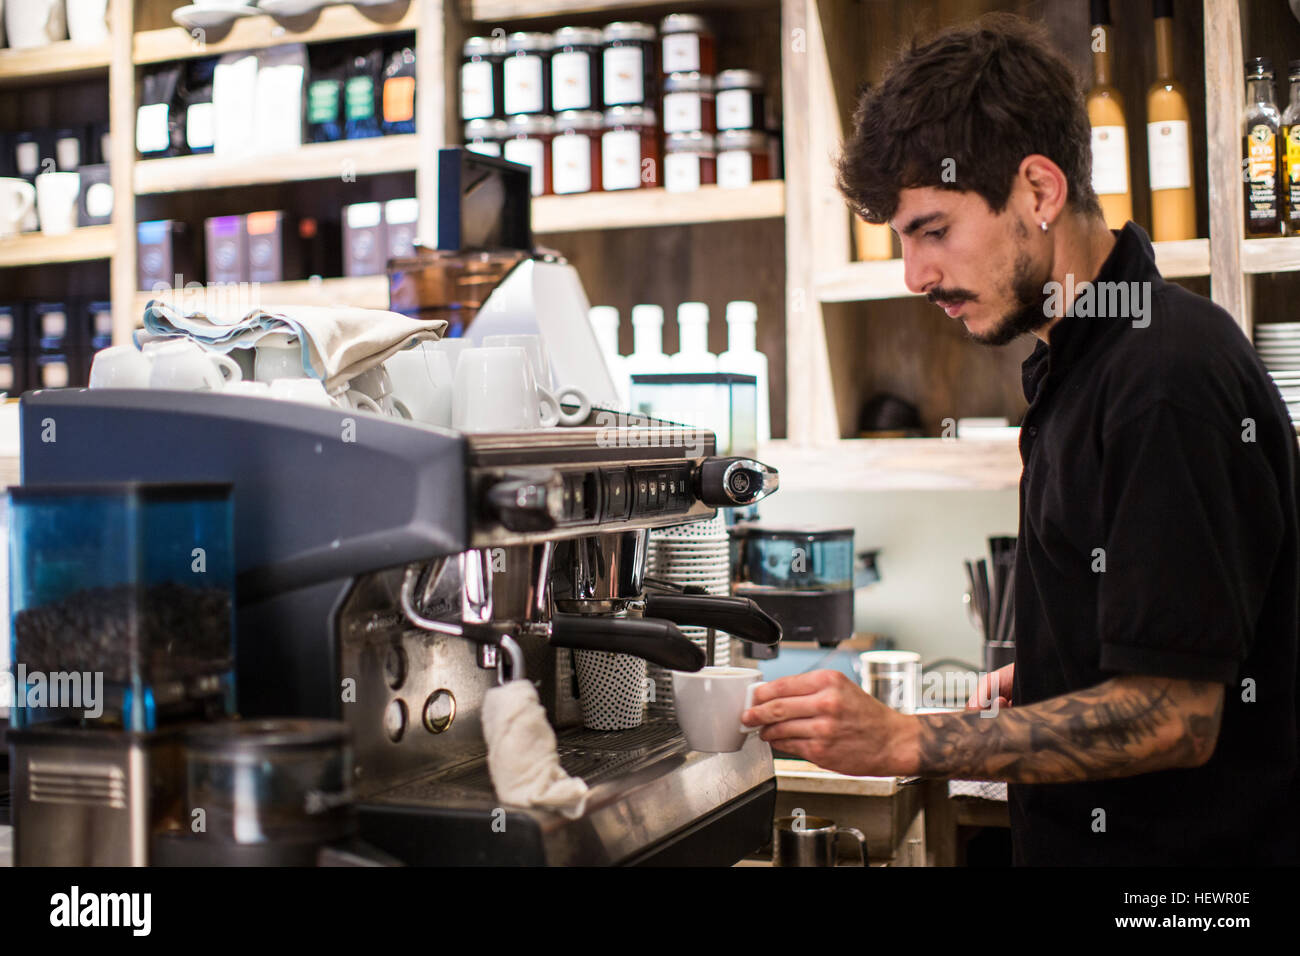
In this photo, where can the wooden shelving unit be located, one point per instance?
(493, 10)
(1270, 255)
(57, 61)
(35, 248)
(358, 157)
(256, 33)
(657, 207)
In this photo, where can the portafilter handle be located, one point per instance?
(659, 642)
(738, 616)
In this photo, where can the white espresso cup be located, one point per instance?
(709, 703)
(452, 348)
(31, 23)
(275, 359)
(541, 363)
(17, 200)
(120, 366)
(422, 380)
(88, 21)
(307, 390)
(245, 387)
(185, 366)
(56, 202)
(495, 391)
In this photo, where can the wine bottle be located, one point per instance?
(1110, 178)
(1291, 153)
(1169, 143)
(1261, 123)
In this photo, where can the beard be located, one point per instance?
(1028, 314)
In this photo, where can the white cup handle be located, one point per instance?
(28, 192)
(366, 402)
(575, 396)
(228, 367)
(548, 408)
(401, 408)
(749, 702)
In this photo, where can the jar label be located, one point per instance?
(6, 376)
(485, 147)
(682, 112)
(571, 82)
(735, 169)
(523, 78)
(1168, 157)
(99, 201)
(624, 75)
(55, 374)
(399, 99)
(681, 172)
(571, 163)
(68, 153)
(151, 134)
(530, 152)
(620, 161)
(735, 109)
(322, 102)
(476, 90)
(682, 53)
(1109, 160)
(200, 126)
(359, 98)
(54, 325)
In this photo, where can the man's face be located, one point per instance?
(986, 269)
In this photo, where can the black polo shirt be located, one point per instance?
(1165, 455)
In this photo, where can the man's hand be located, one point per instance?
(824, 717)
(994, 689)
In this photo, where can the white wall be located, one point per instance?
(923, 537)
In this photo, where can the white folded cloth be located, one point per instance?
(522, 757)
(338, 343)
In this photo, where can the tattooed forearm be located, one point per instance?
(1125, 726)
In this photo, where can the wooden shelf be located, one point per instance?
(358, 157)
(362, 292)
(52, 62)
(897, 464)
(494, 10)
(883, 279)
(1271, 255)
(35, 248)
(627, 209)
(255, 33)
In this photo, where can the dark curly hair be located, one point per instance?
(961, 111)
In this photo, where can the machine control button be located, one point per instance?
(616, 494)
(395, 719)
(439, 711)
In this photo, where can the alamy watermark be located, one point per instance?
(632, 430)
(1099, 300)
(55, 690)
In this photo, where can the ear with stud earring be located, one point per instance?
(1044, 225)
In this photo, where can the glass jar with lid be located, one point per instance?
(688, 45)
(739, 99)
(528, 141)
(628, 64)
(526, 73)
(485, 136)
(575, 69)
(630, 148)
(688, 103)
(575, 152)
(689, 162)
(481, 78)
(744, 157)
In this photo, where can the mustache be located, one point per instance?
(950, 296)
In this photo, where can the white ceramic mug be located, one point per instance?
(307, 390)
(709, 703)
(541, 363)
(277, 359)
(185, 366)
(120, 366)
(452, 348)
(245, 387)
(31, 23)
(56, 202)
(88, 21)
(495, 391)
(422, 380)
(17, 200)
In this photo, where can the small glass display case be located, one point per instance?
(122, 604)
(726, 403)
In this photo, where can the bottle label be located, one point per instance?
(682, 112)
(735, 109)
(571, 163)
(68, 153)
(682, 53)
(1169, 159)
(200, 126)
(359, 96)
(681, 172)
(399, 99)
(151, 134)
(624, 75)
(476, 90)
(322, 102)
(1291, 152)
(735, 168)
(571, 82)
(530, 152)
(1109, 160)
(620, 160)
(1261, 174)
(523, 79)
